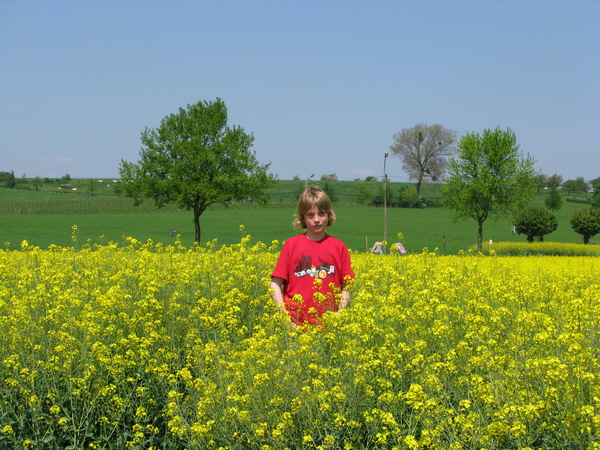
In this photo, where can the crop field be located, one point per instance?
(45, 218)
(152, 346)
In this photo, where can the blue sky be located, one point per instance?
(322, 85)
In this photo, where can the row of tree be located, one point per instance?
(537, 222)
(555, 181)
(194, 159)
(489, 177)
(424, 151)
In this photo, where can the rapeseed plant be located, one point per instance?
(166, 347)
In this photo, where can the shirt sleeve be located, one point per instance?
(346, 265)
(283, 262)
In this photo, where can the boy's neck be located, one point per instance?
(315, 236)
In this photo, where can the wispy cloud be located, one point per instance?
(360, 173)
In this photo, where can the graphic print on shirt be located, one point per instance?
(306, 267)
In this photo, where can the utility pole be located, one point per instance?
(385, 203)
(306, 182)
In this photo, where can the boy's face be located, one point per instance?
(316, 223)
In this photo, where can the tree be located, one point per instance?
(378, 200)
(329, 189)
(541, 181)
(553, 202)
(586, 222)
(534, 222)
(408, 198)
(330, 177)
(577, 185)
(489, 178)
(581, 185)
(8, 178)
(195, 160)
(91, 187)
(596, 195)
(299, 190)
(423, 150)
(37, 183)
(363, 195)
(66, 178)
(554, 181)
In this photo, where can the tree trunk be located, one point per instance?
(419, 181)
(197, 213)
(479, 236)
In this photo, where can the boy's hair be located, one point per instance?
(313, 197)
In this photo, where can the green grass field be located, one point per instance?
(46, 217)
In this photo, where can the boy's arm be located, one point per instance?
(277, 293)
(345, 300)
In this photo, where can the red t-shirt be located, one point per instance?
(301, 263)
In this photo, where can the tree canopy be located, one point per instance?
(195, 160)
(554, 181)
(423, 150)
(576, 185)
(490, 177)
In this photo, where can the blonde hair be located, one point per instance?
(313, 197)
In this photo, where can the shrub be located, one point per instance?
(577, 200)
(363, 195)
(540, 249)
(534, 222)
(586, 222)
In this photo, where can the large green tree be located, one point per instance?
(490, 177)
(195, 160)
(423, 150)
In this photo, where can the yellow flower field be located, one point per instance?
(163, 347)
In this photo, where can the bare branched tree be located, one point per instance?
(423, 150)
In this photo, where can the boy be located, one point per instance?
(313, 270)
